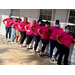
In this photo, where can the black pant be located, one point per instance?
(23, 36)
(29, 38)
(63, 51)
(45, 42)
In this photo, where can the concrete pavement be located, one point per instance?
(11, 54)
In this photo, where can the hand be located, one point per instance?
(34, 31)
(42, 35)
(20, 29)
(60, 42)
(5, 24)
(28, 30)
(74, 40)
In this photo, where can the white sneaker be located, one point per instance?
(12, 42)
(51, 59)
(35, 53)
(17, 43)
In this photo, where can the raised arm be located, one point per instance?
(39, 32)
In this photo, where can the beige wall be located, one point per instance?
(61, 14)
(30, 13)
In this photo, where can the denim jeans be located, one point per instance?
(13, 34)
(54, 44)
(36, 39)
(8, 30)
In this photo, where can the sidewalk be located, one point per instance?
(11, 54)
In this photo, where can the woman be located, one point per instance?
(29, 33)
(18, 31)
(8, 28)
(23, 31)
(44, 36)
(36, 34)
(64, 39)
(13, 30)
(54, 30)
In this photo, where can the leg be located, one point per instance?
(36, 39)
(9, 33)
(23, 36)
(57, 46)
(17, 34)
(16, 38)
(29, 39)
(52, 45)
(13, 35)
(19, 38)
(45, 42)
(66, 56)
(61, 50)
(7, 30)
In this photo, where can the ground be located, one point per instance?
(11, 54)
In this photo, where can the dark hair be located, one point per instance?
(10, 14)
(19, 19)
(40, 20)
(57, 21)
(67, 26)
(47, 23)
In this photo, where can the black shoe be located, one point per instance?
(41, 55)
(59, 64)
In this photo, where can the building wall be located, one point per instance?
(61, 14)
(30, 13)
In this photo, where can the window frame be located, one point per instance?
(69, 15)
(15, 16)
(51, 15)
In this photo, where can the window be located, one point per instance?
(45, 14)
(14, 12)
(72, 30)
(72, 16)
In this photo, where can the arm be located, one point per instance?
(39, 32)
(49, 31)
(73, 39)
(32, 29)
(4, 22)
(20, 27)
(57, 37)
(26, 29)
(10, 24)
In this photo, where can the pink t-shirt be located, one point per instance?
(22, 25)
(55, 31)
(15, 24)
(45, 33)
(35, 28)
(8, 21)
(65, 38)
(29, 28)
